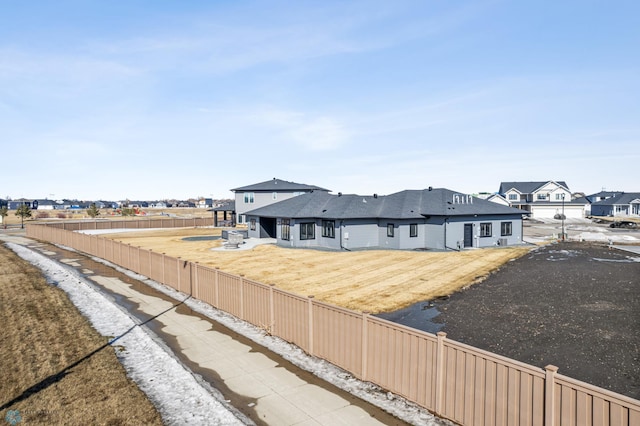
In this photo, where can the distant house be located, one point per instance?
(545, 199)
(624, 204)
(264, 193)
(497, 198)
(602, 195)
(205, 203)
(413, 219)
(158, 205)
(16, 204)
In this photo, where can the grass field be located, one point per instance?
(373, 280)
(56, 368)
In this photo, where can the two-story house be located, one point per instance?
(262, 194)
(543, 200)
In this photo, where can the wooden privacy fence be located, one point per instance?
(451, 379)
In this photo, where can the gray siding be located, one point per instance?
(260, 199)
(360, 233)
(601, 210)
(455, 231)
(433, 233)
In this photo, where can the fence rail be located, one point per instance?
(453, 380)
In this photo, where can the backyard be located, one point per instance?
(370, 280)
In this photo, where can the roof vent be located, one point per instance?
(339, 194)
(375, 195)
(431, 188)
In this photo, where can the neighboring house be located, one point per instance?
(205, 203)
(624, 204)
(602, 195)
(407, 220)
(264, 193)
(44, 204)
(15, 204)
(158, 205)
(543, 200)
(497, 198)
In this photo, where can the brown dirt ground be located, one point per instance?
(56, 369)
(372, 280)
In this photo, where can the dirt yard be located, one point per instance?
(373, 280)
(573, 305)
(56, 368)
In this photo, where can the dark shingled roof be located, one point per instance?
(274, 185)
(623, 198)
(527, 187)
(407, 204)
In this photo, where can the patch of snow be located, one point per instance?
(179, 397)
(399, 407)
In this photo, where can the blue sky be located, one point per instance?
(159, 99)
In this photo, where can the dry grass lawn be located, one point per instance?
(56, 368)
(373, 280)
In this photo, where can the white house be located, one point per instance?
(543, 200)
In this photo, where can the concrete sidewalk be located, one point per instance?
(261, 384)
(278, 396)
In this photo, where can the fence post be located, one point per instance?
(440, 362)
(196, 293)
(164, 278)
(216, 287)
(242, 296)
(549, 395)
(272, 316)
(310, 304)
(179, 274)
(365, 345)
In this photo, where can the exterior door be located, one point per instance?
(468, 235)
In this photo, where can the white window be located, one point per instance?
(513, 197)
(541, 197)
(505, 229)
(249, 197)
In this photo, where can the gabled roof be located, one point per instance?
(278, 185)
(606, 194)
(623, 198)
(408, 204)
(528, 187)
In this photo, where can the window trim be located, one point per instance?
(329, 228)
(413, 230)
(252, 224)
(390, 230)
(249, 197)
(486, 226)
(503, 232)
(307, 226)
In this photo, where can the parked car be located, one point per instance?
(624, 224)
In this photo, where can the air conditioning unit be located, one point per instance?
(502, 241)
